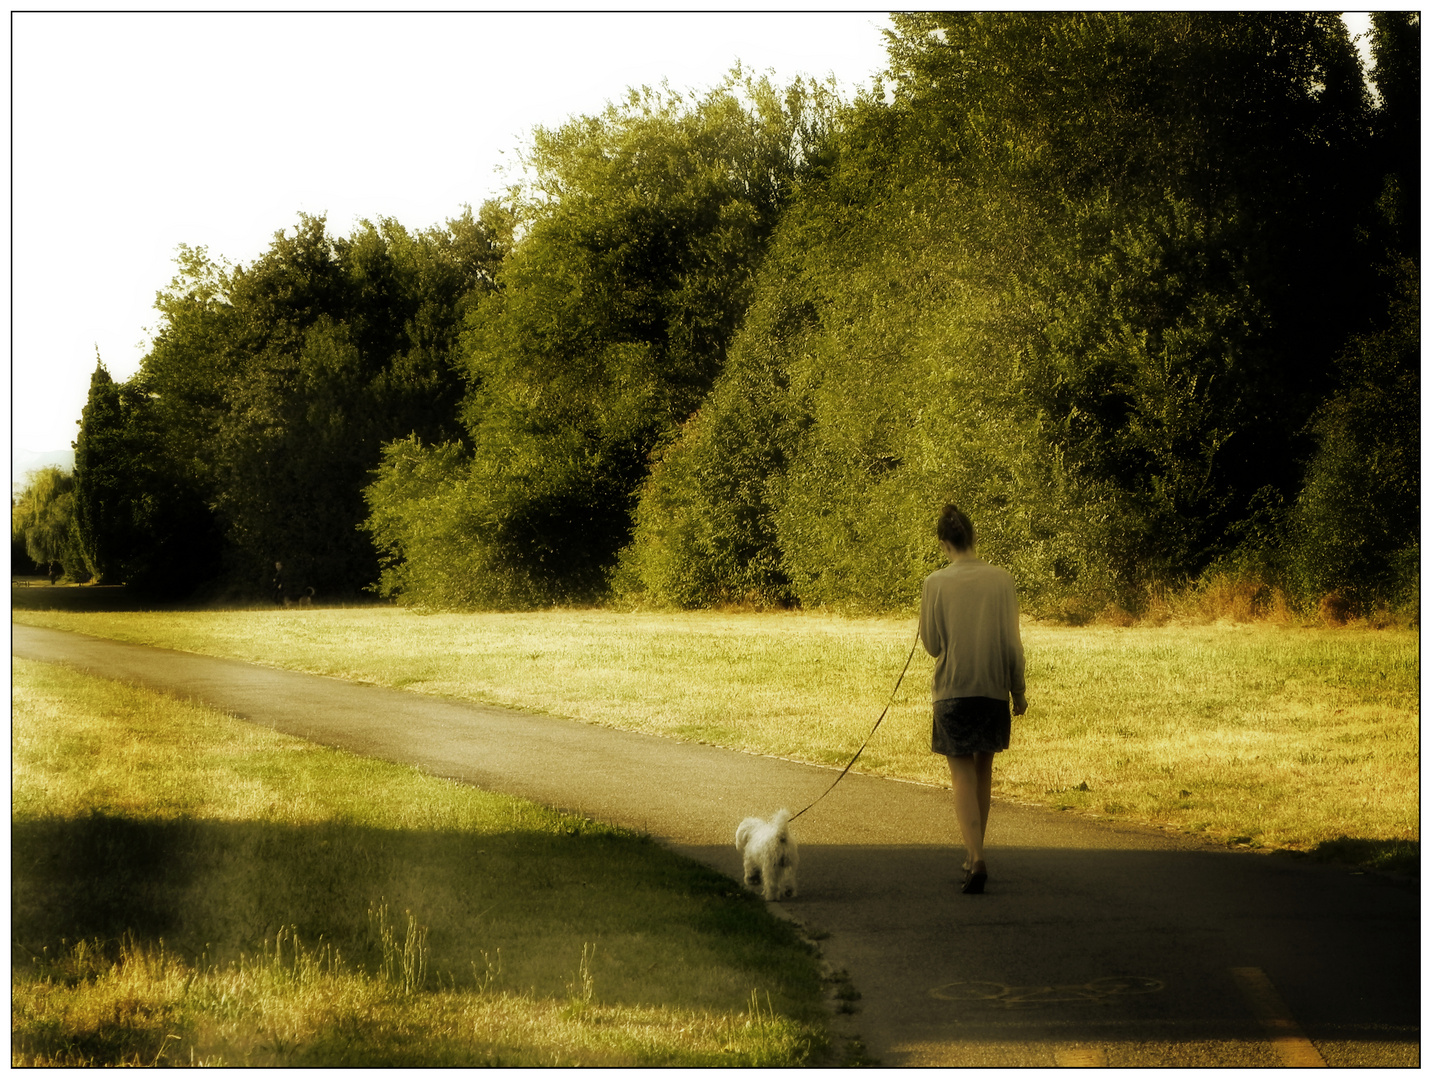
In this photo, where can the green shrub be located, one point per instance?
(419, 524)
(642, 229)
(704, 527)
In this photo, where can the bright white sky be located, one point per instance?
(134, 133)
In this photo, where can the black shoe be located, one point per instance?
(975, 878)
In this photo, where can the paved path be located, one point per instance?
(1094, 944)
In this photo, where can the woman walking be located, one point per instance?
(969, 621)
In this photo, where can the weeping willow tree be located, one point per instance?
(42, 520)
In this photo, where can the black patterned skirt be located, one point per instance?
(970, 725)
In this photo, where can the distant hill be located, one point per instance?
(23, 462)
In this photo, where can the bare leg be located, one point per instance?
(969, 813)
(984, 779)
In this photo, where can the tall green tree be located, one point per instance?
(1356, 524)
(1085, 274)
(278, 383)
(1397, 74)
(103, 495)
(1185, 190)
(641, 230)
(141, 519)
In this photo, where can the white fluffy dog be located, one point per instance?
(768, 852)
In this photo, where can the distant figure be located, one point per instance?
(969, 621)
(278, 594)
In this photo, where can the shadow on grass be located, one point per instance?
(1396, 856)
(578, 918)
(45, 597)
(213, 891)
(37, 594)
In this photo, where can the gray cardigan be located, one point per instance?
(969, 621)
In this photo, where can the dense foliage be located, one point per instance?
(642, 230)
(248, 434)
(1086, 276)
(1137, 290)
(1355, 527)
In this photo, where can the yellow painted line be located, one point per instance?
(1081, 1058)
(1287, 1038)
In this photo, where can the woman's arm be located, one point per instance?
(1016, 653)
(930, 636)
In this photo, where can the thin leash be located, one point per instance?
(883, 711)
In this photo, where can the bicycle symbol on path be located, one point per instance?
(1097, 992)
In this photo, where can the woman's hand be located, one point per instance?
(1020, 705)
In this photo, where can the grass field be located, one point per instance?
(1266, 735)
(191, 889)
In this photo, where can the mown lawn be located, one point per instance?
(1272, 735)
(191, 889)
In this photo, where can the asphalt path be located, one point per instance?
(1094, 944)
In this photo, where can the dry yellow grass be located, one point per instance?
(292, 1010)
(1268, 734)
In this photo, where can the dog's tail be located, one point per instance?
(743, 832)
